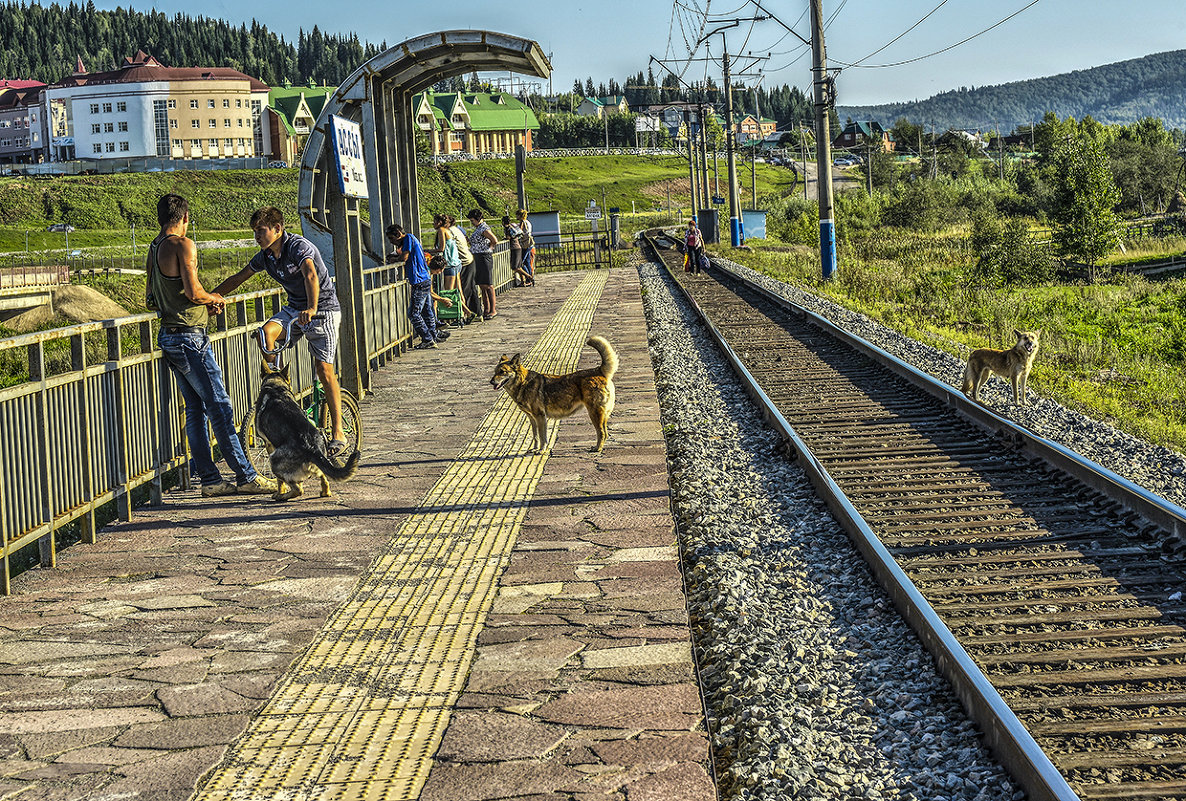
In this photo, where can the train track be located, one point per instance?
(1038, 580)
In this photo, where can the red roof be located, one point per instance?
(143, 67)
(6, 83)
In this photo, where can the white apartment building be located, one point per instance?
(145, 109)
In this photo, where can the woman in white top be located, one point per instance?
(481, 243)
(469, 289)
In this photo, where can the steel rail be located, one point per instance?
(1004, 732)
(1154, 508)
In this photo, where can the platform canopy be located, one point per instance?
(378, 96)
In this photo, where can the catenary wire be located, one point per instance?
(945, 49)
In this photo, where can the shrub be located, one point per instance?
(1007, 254)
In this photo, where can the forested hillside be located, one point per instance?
(43, 43)
(1124, 92)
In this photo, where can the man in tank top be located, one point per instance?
(175, 291)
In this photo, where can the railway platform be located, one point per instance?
(462, 620)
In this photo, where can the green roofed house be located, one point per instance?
(292, 111)
(474, 122)
(600, 106)
(858, 134)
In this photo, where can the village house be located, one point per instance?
(474, 122)
(858, 134)
(600, 106)
(292, 112)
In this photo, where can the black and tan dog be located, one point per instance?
(545, 397)
(1013, 364)
(296, 448)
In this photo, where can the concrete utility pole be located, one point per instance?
(869, 161)
(823, 143)
(803, 154)
(691, 160)
(735, 232)
(705, 192)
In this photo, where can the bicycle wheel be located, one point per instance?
(255, 447)
(351, 422)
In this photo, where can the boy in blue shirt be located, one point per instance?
(409, 251)
(312, 302)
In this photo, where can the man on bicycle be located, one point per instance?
(312, 303)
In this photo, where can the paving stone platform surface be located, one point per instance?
(140, 666)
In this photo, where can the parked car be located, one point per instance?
(60, 228)
(278, 165)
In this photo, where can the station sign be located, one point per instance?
(592, 212)
(718, 200)
(346, 137)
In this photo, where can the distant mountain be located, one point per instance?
(1153, 86)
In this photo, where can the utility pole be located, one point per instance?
(706, 196)
(1001, 152)
(823, 143)
(605, 116)
(869, 161)
(691, 160)
(753, 153)
(735, 232)
(803, 154)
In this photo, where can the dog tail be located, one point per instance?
(609, 357)
(969, 378)
(333, 470)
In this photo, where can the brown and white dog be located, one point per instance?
(1014, 364)
(544, 397)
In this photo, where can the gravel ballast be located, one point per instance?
(815, 687)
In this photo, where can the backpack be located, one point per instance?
(452, 258)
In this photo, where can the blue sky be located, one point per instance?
(614, 38)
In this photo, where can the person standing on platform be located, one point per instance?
(514, 236)
(176, 293)
(469, 287)
(311, 303)
(481, 243)
(420, 311)
(528, 246)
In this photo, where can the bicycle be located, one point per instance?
(315, 405)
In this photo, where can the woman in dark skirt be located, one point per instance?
(481, 243)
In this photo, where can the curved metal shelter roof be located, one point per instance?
(378, 95)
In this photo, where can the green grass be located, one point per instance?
(1115, 350)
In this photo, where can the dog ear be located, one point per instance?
(284, 373)
(1016, 333)
(264, 370)
(515, 359)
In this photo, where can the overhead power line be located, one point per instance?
(943, 50)
(857, 63)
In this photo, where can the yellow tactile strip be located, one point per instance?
(361, 713)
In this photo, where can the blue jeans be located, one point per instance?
(191, 360)
(424, 320)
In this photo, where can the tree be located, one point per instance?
(1085, 195)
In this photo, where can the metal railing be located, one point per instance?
(92, 414)
(33, 276)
